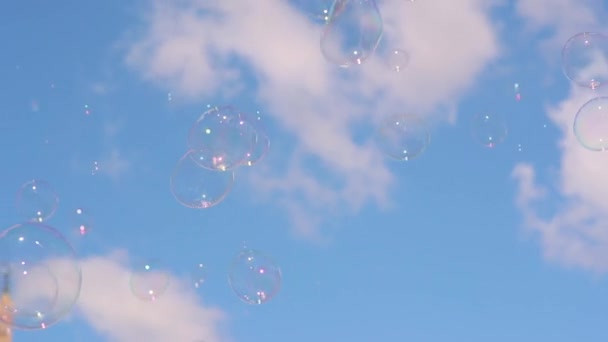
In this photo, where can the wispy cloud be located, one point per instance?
(200, 49)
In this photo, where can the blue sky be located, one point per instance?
(463, 243)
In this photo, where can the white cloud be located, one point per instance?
(570, 214)
(111, 309)
(186, 48)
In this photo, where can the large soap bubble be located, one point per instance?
(591, 124)
(197, 187)
(221, 139)
(585, 59)
(254, 277)
(352, 32)
(37, 201)
(41, 275)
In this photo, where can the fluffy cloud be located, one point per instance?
(570, 213)
(110, 308)
(199, 49)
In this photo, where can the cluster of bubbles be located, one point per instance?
(38, 265)
(40, 276)
(351, 36)
(253, 276)
(585, 64)
(220, 141)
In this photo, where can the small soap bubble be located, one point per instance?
(199, 275)
(402, 137)
(254, 277)
(95, 168)
(148, 280)
(398, 60)
(260, 140)
(36, 201)
(87, 110)
(489, 129)
(591, 124)
(585, 59)
(517, 93)
(82, 222)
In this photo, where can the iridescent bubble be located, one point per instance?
(199, 275)
(352, 32)
(220, 138)
(260, 140)
(148, 280)
(489, 129)
(402, 137)
(37, 201)
(40, 273)
(591, 124)
(254, 277)
(585, 59)
(197, 187)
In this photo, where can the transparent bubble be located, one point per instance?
(148, 280)
(220, 138)
(585, 59)
(489, 129)
(41, 276)
(254, 277)
(397, 60)
(199, 275)
(37, 201)
(402, 137)
(197, 187)
(352, 32)
(260, 140)
(82, 222)
(591, 124)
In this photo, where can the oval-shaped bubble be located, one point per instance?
(591, 124)
(254, 277)
(220, 138)
(41, 276)
(352, 32)
(197, 187)
(36, 201)
(585, 59)
(402, 137)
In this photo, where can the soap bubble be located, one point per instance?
(37, 201)
(260, 140)
(489, 129)
(199, 275)
(148, 280)
(352, 32)
(591, 124)
(197, 187)
(397, 60)
(585, 59)
(402, 137)
(317, 9)
(40, 272)
(82, 222)
(254, 277)
(220, 138)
